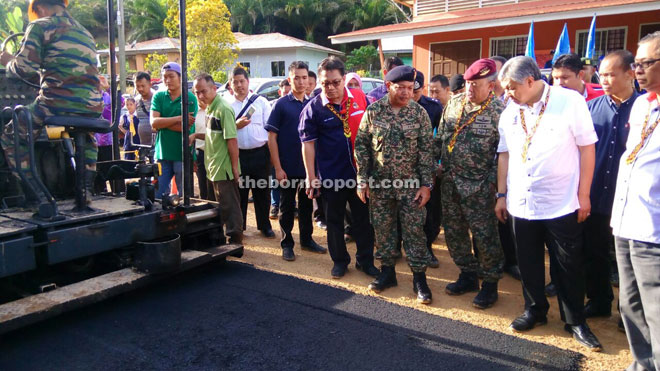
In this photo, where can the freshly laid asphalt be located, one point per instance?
(231, 316)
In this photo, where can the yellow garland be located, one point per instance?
(458, 129)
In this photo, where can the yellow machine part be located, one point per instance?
(56, 132)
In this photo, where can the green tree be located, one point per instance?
(146, 19)
(93, 15)
(363, 58)
(307, 14)
(210, 40)
(153, 63)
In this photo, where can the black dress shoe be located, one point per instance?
(386, 278)
(287, 254)
(312, 246)
(550, 290)
(527, 321)
(368, 269)
(593, 309)
(513, 271)
(583, 335)
(268, 233)
(338, 270)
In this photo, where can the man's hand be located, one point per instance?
(237, 176)
(313, 187)
(500, 210)
(422, 196)
(585, 208)
(363, 193)
(5, 58)
(242, 122)
(191, 139)
(280, 174)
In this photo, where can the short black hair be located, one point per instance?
(311, 74)
(332, 63)
(442, 79)
(625, 58)
(284, 83)
(298, 65)
(392, 62)
(238, 70)
(498, 58)
(572, 62)
(206, 77)
(142, 75)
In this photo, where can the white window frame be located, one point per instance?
(490, 42)
(577, 36)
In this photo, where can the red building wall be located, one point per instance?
(546, 35)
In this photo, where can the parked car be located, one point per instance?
(369, 84)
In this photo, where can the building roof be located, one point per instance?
(245, 42)
(502, 15)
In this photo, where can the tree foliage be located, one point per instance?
(153, 63)
(208, 27)
(363, 58)
(145, 19)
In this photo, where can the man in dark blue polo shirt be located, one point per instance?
(610, 114)
(381, 91)
(286, 156)
(328, 125)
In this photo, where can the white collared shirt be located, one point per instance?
(253, 135)
(636, 210)
(546, 185)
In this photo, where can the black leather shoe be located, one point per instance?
(386, 278)
(268, 233)
(550, 290)
(593, 309)
(421, 288)
(368, 269)
(466, 282)
(287, 254)
(583, 335)
(527, 321)
(274, 213)
(434, 263)
(338, 271)
(487, 296)
(312, 246)
(513, 271)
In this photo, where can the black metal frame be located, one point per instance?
(187, 170)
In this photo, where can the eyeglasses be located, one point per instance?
(335, 83)
(644, 64)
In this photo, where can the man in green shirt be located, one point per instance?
(221, 155)
(166, 121)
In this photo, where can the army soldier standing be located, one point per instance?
(468, 145)
(394, 145)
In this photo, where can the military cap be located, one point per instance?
(588, 62)
(480, 69)
(419, 81)
(456, 82)
(401, 73)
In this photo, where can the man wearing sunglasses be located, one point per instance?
(328, 125)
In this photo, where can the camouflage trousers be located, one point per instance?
(384, 212)
(38, 113)
(472, 212)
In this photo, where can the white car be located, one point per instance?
(369, 84)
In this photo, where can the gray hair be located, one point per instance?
(652, 37)
(519, 68)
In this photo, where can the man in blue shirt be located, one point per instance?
(286, 156)
(381, 91)
(325, 130)
(610, 114)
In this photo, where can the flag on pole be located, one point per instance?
(529, 51)
(591, 40)
(563, 45)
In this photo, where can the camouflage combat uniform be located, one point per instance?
(62, 54)
(468, 186)
(396, 147)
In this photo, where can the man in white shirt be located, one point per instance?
(636, 214)
(545, 166)
(252, 112)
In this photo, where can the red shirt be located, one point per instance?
(593, 91)
(356, 111)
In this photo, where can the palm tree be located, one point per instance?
(146, 19)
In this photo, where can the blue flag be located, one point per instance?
(529, 51)
(591, 40)
(563, 45)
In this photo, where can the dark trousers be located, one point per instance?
(508, 245)
(334, 202)
(226, 192)
(597, 242)
(563, 236)
(206, 191)
(287, 208)
(255, 168)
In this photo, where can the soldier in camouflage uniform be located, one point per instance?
(394, 143)
(468, 144)
(62, 53)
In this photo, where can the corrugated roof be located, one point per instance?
(505, 14)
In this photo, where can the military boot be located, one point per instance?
(466, 282)
(487, 296)
(422, 289)
(386, 278)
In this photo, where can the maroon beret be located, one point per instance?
(480, 69)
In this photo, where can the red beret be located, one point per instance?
(480, 69)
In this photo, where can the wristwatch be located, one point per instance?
(500, 195)
(429, 186)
